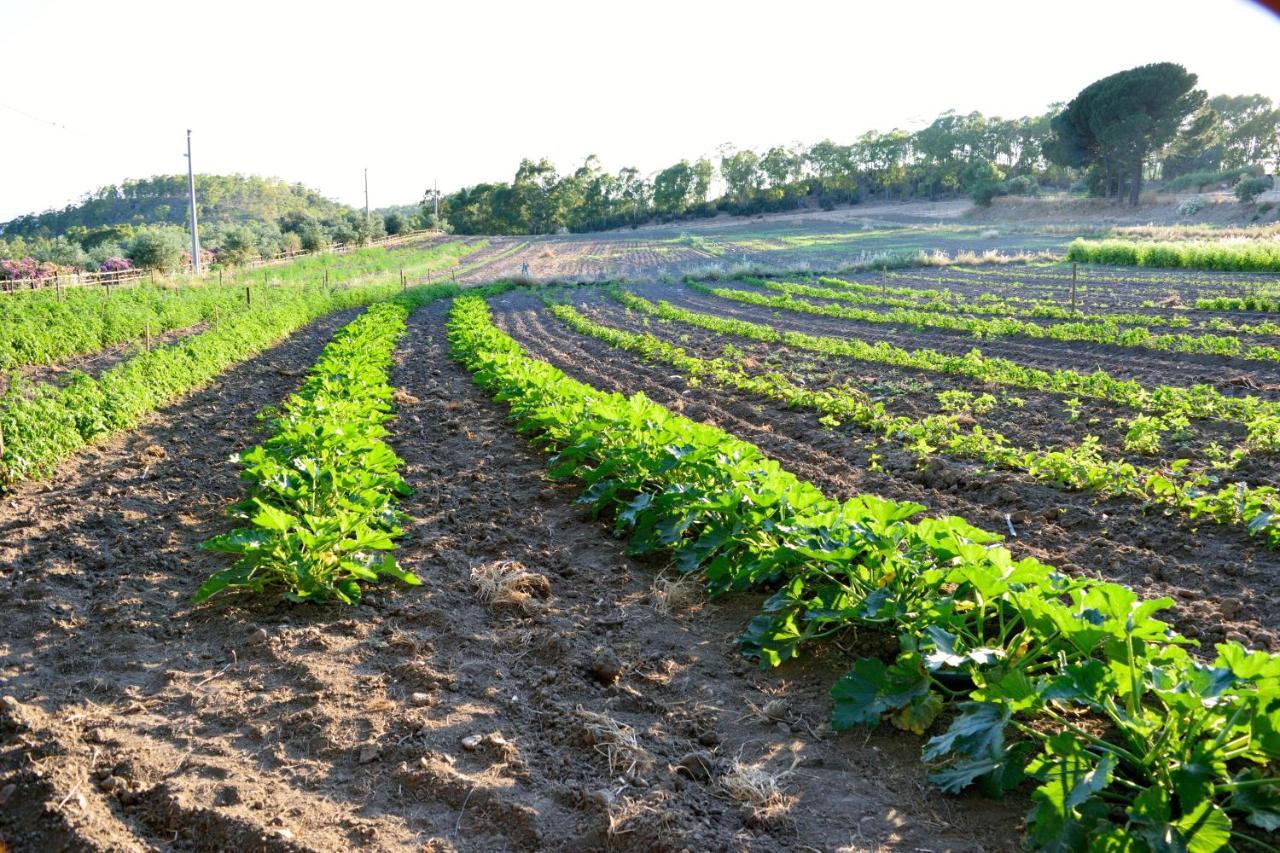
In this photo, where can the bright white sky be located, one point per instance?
(313, 92)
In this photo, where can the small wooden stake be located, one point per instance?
(248, 296)
(146, 336)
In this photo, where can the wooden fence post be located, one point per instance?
(248, 296)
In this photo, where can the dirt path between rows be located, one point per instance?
(597, 710)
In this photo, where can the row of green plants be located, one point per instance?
(44, 424)
(1268, 304)
(44, 326)
(1256, 509)
(321, 514)
(1093, 332)
(1057, 277)
(1256, 293)
(1261, 417)
(1070, 684)
(947, 303)
(1258, 299)
(1223, 256)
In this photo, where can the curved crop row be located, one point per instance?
(1100, 333)
(1131, 742)
(1256, 509)
(321, 515)
(947, 302)
(1198, 401)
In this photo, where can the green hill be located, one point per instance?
(223, 200)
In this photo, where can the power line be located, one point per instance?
(39, 120)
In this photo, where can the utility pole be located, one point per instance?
(435, 193)
(195, 233)
(366, 194)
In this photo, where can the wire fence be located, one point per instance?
(123, 278)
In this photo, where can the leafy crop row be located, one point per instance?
(1197, 401)
(1132, 743)
(948, 303)
(945, 303)
(45, 424)
(1239, 303)
(1058, 275)
(1226, 256)
(1256, 509)
(320, 514)
(44, 326)
(1095, 332)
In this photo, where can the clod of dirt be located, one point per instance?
(154, 452)
(605, 666)
(699, 766)
(420, 699)
(472, 742)
(368, 753)
(7, 792)
(403, 398)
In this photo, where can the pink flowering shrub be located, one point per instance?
(24, 268)
(115, 265)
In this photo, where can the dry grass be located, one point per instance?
(676, 595)
(508, 583)
(759, 788)
(616, 741)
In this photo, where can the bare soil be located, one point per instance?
(595, 707)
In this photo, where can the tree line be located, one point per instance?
(1119, 132)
